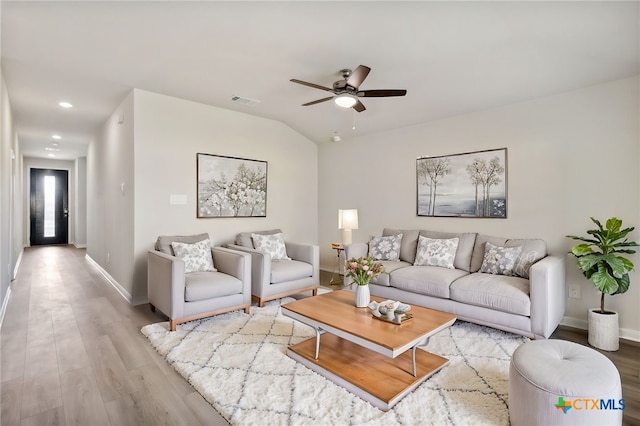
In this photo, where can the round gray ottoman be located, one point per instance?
(555, 382)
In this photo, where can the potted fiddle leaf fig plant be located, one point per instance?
(600, 258)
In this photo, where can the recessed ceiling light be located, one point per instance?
(52, 155)
(56, 136)
(65, 105)
(54, 144)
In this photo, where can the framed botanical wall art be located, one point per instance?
(231, 187)
(473, 184)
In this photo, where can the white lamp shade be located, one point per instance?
(348, 219)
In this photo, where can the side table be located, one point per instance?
(336, 276)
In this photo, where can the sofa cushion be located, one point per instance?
(500, 292)
(429, 280)
(385, 248)
(196, 256)
(409, 242)
(244, 238)
(389, 267)
(209, 285)
(499, 260)
(289, 270)
(436, 252)
(272, 244)
(163, 243)
(465, 246)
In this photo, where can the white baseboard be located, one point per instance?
(15, 269)
(5, 303)
(582, 324)
(80, 246)
(123, 292)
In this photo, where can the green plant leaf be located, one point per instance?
(581, 249)
(613, 225)
(604, 282)
(588, 261)
(615, 265)
(586, 240)
(623, 285)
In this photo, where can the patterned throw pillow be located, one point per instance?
(272, 244)
(385, 248)
(499, 260)
(197, 257)
(524, 262)
(436, 252)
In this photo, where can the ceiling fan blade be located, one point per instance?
(380, 93)
(318, 101)
(359, 106)
(358, 75)
(316, 86)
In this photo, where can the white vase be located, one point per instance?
(363, 297)
(603, 330)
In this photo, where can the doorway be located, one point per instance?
(49, 206)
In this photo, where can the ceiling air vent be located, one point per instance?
(244, 101)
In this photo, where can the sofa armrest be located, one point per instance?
(306, 253)
(235, 263)
(356, 250)
(260, 266)
(301, 252)
(165, 283)
(547, 293)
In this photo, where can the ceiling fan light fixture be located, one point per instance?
(345, 101)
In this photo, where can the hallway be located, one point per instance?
(72, 352)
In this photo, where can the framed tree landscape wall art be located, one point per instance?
(472, 184)
(231, 187)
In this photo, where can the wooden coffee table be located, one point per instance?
(371, 358)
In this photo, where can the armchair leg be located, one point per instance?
(247, 309)
(153, 308)
(314, 292)
(172, 325)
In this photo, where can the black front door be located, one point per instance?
(49, 206)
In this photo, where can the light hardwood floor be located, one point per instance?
(72, 353)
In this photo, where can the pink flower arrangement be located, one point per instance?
(363, 269)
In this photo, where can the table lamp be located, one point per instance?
(347, 220)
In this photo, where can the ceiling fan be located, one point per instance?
(346, 91)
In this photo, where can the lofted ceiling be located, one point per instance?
(451, 57)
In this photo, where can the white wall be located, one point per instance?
(153, 152)
(110, 163)
(80, 236)
(562, 150)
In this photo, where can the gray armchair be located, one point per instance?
(273, 279)
(189, 296)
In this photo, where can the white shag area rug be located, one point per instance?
(238, 363)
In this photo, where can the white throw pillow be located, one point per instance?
(197, 256)
(272, 244)
(385, 248)
(499, 260)
(436, 252)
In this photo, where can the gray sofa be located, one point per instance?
(531, 303)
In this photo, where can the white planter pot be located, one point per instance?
(363, 296)
(604, 330)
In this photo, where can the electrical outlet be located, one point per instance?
(574, 291)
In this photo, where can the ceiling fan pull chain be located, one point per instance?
(354, 119)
